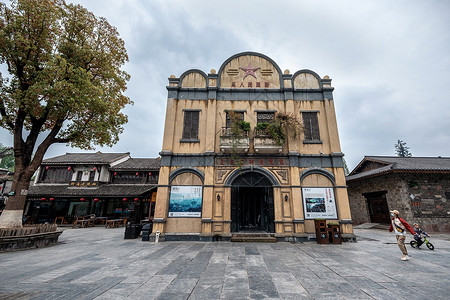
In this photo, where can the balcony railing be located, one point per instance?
(230, 142)
(264, 143)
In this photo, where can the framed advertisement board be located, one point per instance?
(185, 201)
(319, 203)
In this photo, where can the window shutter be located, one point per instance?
(191, 123)
(187, 125)
(311, 126)
(195, 123)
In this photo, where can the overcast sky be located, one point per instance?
(389, 62)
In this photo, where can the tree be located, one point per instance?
(401, 149)
(346, 170)
(65, 85)
(6, 158)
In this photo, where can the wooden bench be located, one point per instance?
(60, 219)
(82, 222)
(101, 220)
(113, 223)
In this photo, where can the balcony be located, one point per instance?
(263, 143)
(231, 143)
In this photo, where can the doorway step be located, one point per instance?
(254, 237)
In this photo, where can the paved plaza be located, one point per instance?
(97, 263)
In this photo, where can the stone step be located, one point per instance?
(260, 234)
(257, 237)
(253, 239)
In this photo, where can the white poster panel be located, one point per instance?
(185, 201)
(319, 203)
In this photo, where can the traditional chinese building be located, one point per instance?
(109, 185)
(223, 172)
(418, 187)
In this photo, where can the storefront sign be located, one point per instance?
(83, 183)
(319, 203)
(266, 162)
(185, 201)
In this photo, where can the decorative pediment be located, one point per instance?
(249, 70)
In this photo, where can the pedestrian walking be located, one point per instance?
(399, 226)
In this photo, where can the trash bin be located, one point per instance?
(146, 230)
(321, 231)
(335, 233)
(132, 231)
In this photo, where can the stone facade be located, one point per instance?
(419, 197)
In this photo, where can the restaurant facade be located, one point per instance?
(107, 185)
(225, 169)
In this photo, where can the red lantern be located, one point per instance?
(149, 173)
(115, 173)
(137, 173)
(47, 167)
(52, 199)
(82, 199)
(69, 168)
(136, 199)
(43, 199)
(94, 168)
(96, 199)
(125, 199)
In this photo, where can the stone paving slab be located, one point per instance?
(97, 263)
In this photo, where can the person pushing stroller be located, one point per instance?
(418, 233)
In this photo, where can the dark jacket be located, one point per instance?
(404, 224)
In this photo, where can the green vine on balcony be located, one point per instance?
(282, 126)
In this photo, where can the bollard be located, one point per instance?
(157, 236)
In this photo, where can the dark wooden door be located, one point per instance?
(378, 210)
(252, 204)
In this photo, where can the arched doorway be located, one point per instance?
(252, 206)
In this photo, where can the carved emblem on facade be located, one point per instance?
(221, 174)
(249, 70)
(282, 175)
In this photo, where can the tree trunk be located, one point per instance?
(13, 212)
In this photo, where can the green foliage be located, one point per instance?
(6, 158)
(284, 125)
(275, 131)
(65, 73)
(346, 170)
(244, 126)
(401, 149)
(261, 126)
(238, 127)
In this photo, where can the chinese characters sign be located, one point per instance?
(319, 203)
(185, 201)
(267, 161)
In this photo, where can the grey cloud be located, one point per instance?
(389, 62)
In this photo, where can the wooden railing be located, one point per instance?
(28, 230)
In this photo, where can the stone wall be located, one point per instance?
(421, 198)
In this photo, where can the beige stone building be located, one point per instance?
(223, 173)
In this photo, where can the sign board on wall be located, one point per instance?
(185, 201)
(319, 203)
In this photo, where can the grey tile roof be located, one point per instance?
(107, 190)
(85, 158)
(138, 164)
(401, 164)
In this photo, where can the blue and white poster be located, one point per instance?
(185, 201)
(319, 203)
